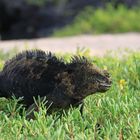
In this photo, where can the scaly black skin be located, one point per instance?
(35, 73)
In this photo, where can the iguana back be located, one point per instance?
(27, 74)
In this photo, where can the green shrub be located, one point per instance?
(108, 20)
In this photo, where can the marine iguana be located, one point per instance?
(36, 73)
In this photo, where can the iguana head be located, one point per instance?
(87, 78)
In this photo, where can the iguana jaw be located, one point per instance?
(104, 87)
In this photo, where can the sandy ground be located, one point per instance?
(98, 44)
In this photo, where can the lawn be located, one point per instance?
(114, 115)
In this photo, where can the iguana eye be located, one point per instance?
(100, 78)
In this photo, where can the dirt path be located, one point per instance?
(98, 44)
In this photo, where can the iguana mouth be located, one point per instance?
(104, 87)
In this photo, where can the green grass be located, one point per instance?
(108, 20)
(117, 111)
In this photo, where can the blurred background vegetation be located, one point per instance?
(40, 18)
